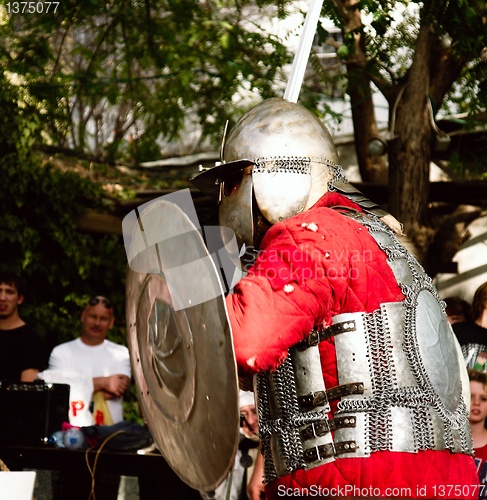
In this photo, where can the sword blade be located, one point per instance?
(301, 57)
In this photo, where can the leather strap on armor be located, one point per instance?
(322, 398)
(318, 335)
(352, 193)
(329, 450)
(321, 428)
(345, 390)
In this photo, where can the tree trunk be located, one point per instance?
(410, 151)
(372, 168)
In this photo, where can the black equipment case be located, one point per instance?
(30, 412)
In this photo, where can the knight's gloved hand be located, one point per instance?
(393, 223)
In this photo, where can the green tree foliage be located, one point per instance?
(423, 57)
(61, 266)
(38, 236)
(115, 78)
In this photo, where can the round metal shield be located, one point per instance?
(181, 346)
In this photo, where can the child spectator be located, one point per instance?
(478, 416)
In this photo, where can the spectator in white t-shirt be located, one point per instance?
(107, 363)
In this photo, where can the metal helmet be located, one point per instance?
(278, 154)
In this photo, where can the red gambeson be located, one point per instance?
(310, 268)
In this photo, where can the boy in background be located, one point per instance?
(478, 415)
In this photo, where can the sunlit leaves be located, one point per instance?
(38, 234)
(110, 67)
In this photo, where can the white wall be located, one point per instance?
(472, 265)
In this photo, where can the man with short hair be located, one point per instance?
(21, 349)
(108, 364)
(92, 354)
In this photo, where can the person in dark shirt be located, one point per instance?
(21, 349)
(472, 335)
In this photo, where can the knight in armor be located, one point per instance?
(358, 378)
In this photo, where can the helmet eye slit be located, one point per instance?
(232, 182)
